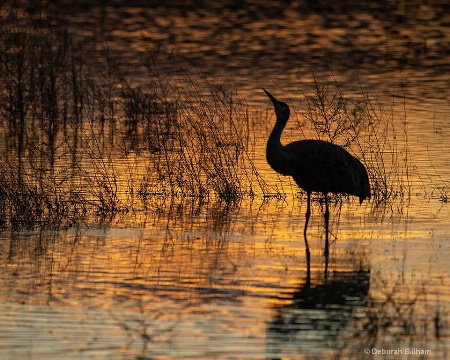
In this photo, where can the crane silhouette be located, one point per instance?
(315, 166)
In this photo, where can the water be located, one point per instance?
(184, 278)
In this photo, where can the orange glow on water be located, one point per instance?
(199, 277)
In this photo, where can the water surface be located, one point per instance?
(184, 278)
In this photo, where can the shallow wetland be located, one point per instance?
(140, 220)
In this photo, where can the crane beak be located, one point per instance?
(270, 96)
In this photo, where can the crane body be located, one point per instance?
(319, 166)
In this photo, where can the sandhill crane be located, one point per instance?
(315, 165)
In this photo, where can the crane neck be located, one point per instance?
(275, 135)
(276, 157)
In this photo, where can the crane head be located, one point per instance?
(281, 109)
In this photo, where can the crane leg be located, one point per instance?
(308, 214)
(327, 218)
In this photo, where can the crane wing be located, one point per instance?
(324, 167)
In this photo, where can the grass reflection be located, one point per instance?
(176, 286)
(342, 315)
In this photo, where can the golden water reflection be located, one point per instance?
(240, 290)
(202, 279)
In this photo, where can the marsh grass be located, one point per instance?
(218, 144)
(363, 125)
(70, 126)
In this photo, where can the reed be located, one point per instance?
(81, 140)
(206, 149)
(68, 122)
(362, 124)
(45, 99)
